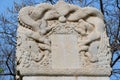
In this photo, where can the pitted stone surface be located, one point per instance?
(62, 40)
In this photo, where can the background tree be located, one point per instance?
(8, 29)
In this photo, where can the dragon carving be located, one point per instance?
(90, 23)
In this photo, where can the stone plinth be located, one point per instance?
(67, 40)
(65, 78)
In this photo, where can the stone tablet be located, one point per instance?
(64, 52)
(62, 40)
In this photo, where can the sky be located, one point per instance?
(9, 3)
(4, 4)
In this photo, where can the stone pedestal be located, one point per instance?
(65, 42)
(64, 78)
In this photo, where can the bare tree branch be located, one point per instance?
(101, 6)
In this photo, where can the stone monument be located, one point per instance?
(62, 42)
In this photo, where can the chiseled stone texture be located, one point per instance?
(62, 40)
(64, 78)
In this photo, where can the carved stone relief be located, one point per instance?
(62, 40)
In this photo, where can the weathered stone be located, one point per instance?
(64, 51)
(53, 41)
(65, 78)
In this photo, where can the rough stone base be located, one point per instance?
(63, 78)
